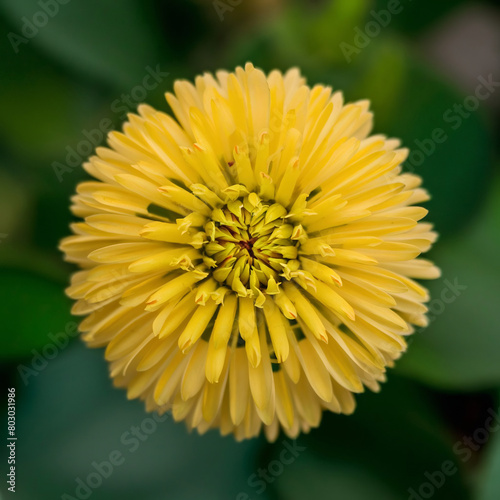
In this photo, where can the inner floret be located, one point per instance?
(251, 246)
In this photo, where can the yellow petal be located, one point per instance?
(238, 385)
(277, 330)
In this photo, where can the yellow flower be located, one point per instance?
(251, 263)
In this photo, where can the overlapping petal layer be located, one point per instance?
(252, 262)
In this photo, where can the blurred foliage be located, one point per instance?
(36, 307)
(79, 68)
(160, 461)
(455, 351)
(94, 38)
(489, 485)
(381, 451)
(418, 16)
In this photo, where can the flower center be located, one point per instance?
(251, 246)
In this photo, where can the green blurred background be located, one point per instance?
(70, 70)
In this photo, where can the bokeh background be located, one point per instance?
(70, 70)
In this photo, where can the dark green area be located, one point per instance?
(65, 87)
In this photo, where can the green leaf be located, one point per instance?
(319, 478)
(34, 307)
(382, 79)
(13, 205)
(460, 348)
(382, 452)
(40, 106)
(305, 35)
(109, 41)
(321, 30)
(488, 484)
(44, 264)
(452, 153)
(414, 17)
(159, 458)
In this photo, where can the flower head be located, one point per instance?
(251, 263)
